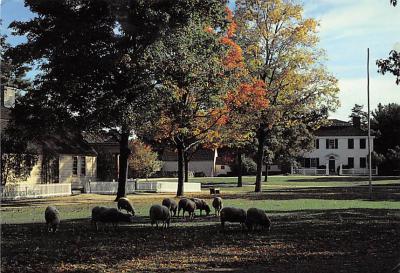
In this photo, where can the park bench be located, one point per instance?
(214, 191)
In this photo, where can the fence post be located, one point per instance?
(340, 169)
(326, 169)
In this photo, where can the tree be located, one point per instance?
(17, 157)
(92, 72)
(358, 112)
(281, 52)
(386, 123)
(194, 64)
(143, 161)
(391, 65)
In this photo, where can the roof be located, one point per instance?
(340, 128)
(100, 137)
(224, 160)
(199, 155)
(67, 143)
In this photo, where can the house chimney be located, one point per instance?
(357, 122)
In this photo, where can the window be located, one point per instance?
(222, 167)
(332, 143)
(83, 166)
(314, 162)
(317, 144)
(74, 165)
(362, 143)
(307, 162)
(363, 162)
(350, 162)
(350, 143)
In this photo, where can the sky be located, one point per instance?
(346, 29)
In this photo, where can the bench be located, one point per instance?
(214, 191)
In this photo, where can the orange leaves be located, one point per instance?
(234, 57)
(252, 96)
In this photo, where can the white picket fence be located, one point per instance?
(105, 187)
(310, 171)
(25, 190)
(358, 171)
(166, 186)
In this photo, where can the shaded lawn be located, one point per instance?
(355, 240)
(315, 229)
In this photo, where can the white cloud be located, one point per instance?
(354, 91)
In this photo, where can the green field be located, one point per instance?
(319, 224)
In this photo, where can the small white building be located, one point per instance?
(201, 163)
(340, 148)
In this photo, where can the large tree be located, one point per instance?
(90, 57)
(193, 68)
(281, 50)
(386, 123)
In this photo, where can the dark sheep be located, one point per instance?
(109, 215)
(160, 213)
(124, 203)
(201, 204)
(186, 205)
(217, 205)
(171, 204)
(257, 217)
(231, 214)
(52, 217)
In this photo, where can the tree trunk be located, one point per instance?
(124, 153)
(240, 168)
(186, 161)
(260, 158)
(266, 173)
(266, 169)
(180, 191)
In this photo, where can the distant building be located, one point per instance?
(62, 158)
(201, 163)
(340, 148)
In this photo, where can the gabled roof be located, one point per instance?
(67, 143)
(340, 128)
(199, 155)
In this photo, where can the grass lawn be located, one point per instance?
(319, 225)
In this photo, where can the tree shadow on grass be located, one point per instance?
(342, 179)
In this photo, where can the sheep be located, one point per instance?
(201, 205)
(109, 215)
(123, 203)
(257, 217)
(231, 214)
(52, 217)
(186, 205)
(160, 213)
(171, 204)
(217, 204)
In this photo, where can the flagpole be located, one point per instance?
(369, 133)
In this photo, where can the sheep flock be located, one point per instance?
(252, 219)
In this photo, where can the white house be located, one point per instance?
(340, 148)
(64, 161)
(202, 162)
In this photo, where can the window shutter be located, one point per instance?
(336, 143)
(327, 143)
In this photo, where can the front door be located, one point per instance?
(332, 166)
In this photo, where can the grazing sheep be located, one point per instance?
(123, 203)
(109, 215)
(52, 217)
(201, 205)
(160, 213)
(257, 217)
(171, 204)
(231, 214)
(217, 205)
(187, 205)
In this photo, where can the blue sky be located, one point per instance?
(347, 28)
